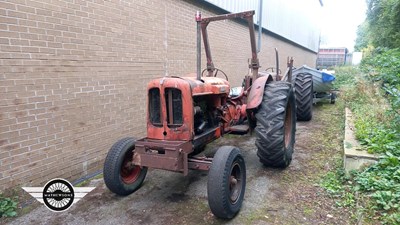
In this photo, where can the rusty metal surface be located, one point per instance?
(164, 132)
(200, 163)
(257, 91)
(247, 82)
(232, 114)
(242, 15)
(168, 155)
(210, 64)
(248, 16)
(208, 85)
(161, 154)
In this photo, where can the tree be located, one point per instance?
(382, 25)
(363, 37)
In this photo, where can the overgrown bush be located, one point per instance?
(373, 117)
(373, 97)
(384, 66)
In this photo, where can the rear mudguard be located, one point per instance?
(255, 98)
(257, 91)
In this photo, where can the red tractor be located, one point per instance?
(186, 113)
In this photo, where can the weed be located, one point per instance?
(308, 211)
(344, 76)
(86, 182)
(8, 206)
(332, 183)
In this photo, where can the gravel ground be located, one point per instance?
(273, 196)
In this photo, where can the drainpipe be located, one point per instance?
(259, 25)
(198, 20)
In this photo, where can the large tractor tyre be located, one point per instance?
(303, 85)
(276, 125)
(120, 175)
(226, 182)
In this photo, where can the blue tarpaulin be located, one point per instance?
(326, 77)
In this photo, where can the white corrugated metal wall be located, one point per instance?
(294, 20)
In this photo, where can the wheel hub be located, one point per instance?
(235, 185)
(288, 126)
(129, 171)
(233, 181)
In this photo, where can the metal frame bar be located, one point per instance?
(247, 15)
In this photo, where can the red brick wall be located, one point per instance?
(73, 76)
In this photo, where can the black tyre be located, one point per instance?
(276, 125)
(226, 182)
(304, 96)
(120, 175)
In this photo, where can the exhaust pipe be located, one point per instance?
(278, 77)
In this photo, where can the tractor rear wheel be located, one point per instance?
(121, 176)
(276, 125)
(226, 182)
(303, 85)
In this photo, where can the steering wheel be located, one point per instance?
(272, 70)
(216, 70)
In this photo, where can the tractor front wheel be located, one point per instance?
(226, 182)
(276, 125)
(121, 176)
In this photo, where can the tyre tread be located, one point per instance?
(111, 172)
(304, 96)
(217, 189)
(270, 125)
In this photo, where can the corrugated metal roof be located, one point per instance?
(294, 20)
